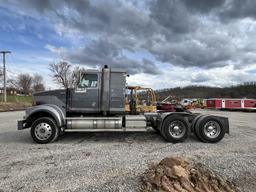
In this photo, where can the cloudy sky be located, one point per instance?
(164, 43)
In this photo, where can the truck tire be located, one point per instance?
(44, 130)
(175, 129)
(195, 125)
(209, 129)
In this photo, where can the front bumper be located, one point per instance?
(22, 124)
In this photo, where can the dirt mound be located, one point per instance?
(177, 174)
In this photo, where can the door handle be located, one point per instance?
(81, 91)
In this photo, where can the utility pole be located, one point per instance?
(4, 71)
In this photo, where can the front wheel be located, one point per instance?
(44, 130)
(175, 129)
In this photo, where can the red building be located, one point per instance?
(249, 103)
(229, 103)
(214, 103)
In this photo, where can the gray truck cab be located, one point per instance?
(98, 92)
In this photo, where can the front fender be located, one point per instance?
(50, 109)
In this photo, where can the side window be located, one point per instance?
(88, 81)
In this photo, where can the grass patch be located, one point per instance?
(18, 99)
(15, 102)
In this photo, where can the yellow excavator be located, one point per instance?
(140, 100)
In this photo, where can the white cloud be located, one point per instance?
(56, 50)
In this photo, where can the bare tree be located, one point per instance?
(12, 83)
(38, 84)
(63, 74)
(24, 81)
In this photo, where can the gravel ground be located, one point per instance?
(115, 161)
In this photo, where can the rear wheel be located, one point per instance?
(196, 127)
(175, 129)
(44, 130)
(209, 129)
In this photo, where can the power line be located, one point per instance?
(14, 73)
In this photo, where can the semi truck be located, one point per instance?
(102, 101)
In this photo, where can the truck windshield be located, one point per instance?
(88, 80)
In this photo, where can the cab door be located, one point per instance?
(86, 97)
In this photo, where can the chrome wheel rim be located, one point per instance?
(177, 129)
(43, 131)
(212, 129)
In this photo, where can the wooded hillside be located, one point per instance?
(247, 90)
